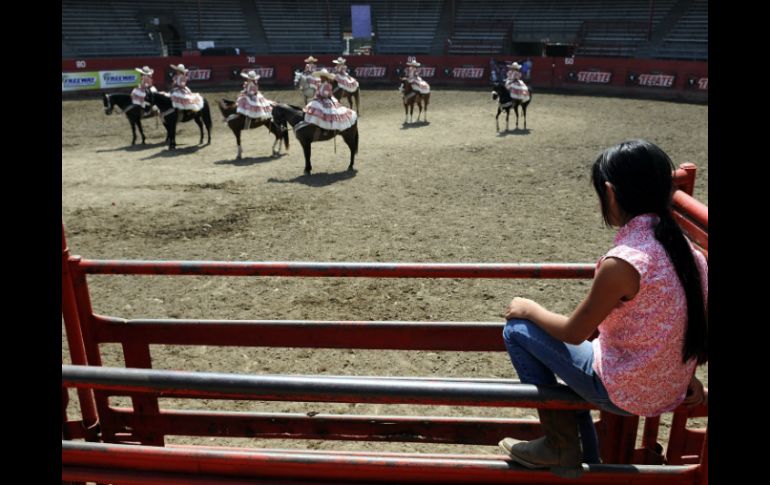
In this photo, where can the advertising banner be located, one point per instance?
(468, 72)
(657, 80)
(119, 79)
(590, 77)
(370, 72)
(76, 81)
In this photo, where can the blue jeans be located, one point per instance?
(538, 358)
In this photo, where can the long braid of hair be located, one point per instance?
(669, 234)
(641, 175)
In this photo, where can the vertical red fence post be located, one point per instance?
(73, 327)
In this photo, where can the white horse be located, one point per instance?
(305, 88)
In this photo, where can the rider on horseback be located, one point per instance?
(324, 110)
(139, 93)
(181, 96)
(344, 79)
(251, 103)
(416, 81)
(515, 85)
(310, 68)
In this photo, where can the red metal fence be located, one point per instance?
(126, 445)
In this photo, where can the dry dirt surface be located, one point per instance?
(450, 190)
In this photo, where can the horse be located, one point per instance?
(170, 116)
(340, 93)
(505, 102)
(300, 82)
(238, 122)
(133, 112)
(307, 133)
(410, 98)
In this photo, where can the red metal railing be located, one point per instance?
(146, 423)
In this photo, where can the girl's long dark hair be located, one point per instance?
(641, 174)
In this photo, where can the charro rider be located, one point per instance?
(139, 93)
(344, 79)
(324, 110)
(418, 84)
(181, 96)
(514, 84)
(310, 68)
(250, 102)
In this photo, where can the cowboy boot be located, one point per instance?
(559, 449)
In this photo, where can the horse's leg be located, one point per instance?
(133, 131)
(497, 118)
(358, 105)
(427, 99)
(198, 122)
(141, 131)
(171, 129)
(516, 109)
(419, 109)
(406, 112)
(524, 113)
(306, 150)
(237, 132)
(507, 117)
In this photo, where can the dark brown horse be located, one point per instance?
(340, 93)
(171, 116)
(238, 122)
(410, 98)
(307, 133)
(133, 112)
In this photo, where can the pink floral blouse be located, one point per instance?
(638, 354)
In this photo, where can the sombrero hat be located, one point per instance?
(413, 63)
(324, 73)
(339, 60)
(145, 70)
(515, 65)
(180, 68)
(311, 59)
(251, 75)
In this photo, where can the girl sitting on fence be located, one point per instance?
(647, 301)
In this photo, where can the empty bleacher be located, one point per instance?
(114, 28)
(616, 39)
(670, 29)
(406, 27)
(96, 28)
(480, 27)
(689, 37)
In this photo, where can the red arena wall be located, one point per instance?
(581, 74)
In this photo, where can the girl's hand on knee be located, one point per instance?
(520, 308)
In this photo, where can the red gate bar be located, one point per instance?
(339, 466)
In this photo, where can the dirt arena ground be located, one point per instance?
(451, 190)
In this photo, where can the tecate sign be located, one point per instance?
(703, 83)
(656, 80)
(468, 72)
(199, 74)
(426, 71)
(597, 77)
(266, 72)
(370, 71)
